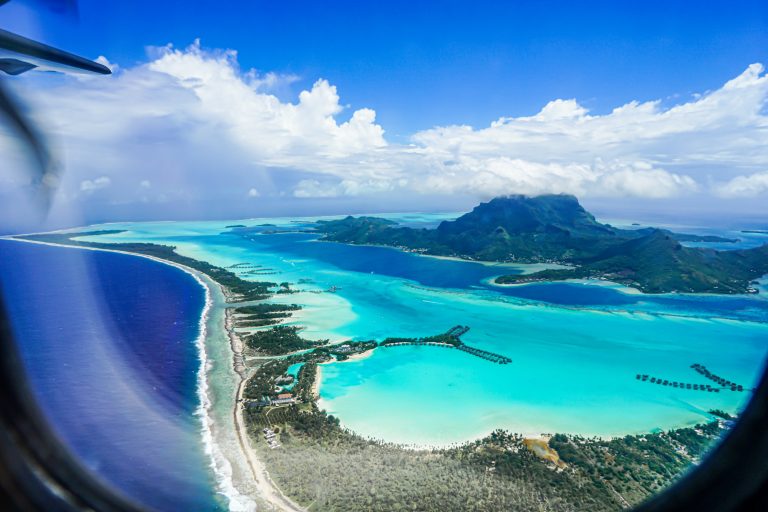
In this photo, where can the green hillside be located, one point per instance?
(556, 228)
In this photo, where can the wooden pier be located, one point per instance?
(677, 384)
(484, 354)
(453, 336)
(457, 331)
(244, 265)
(701, 369)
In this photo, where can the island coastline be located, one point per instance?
(266, 488)
(226, 479)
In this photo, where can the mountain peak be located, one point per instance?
(556, 228)
(521, 214)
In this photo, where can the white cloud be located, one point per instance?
(744, 186)
(313, 188)
(345, 187)
(203, 127)
(145, 184)
(91, 186)
(276, 133)
(494, 176)
(644, 182)
(629, 151)
(253, 193)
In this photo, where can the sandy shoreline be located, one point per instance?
(319, 370)
(627, 290)
(316, 383)
(524, 268)
(267, 488)
(228, 484)
(358, 357)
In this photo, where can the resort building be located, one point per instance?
(284, 398)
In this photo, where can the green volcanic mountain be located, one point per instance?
(557, 229)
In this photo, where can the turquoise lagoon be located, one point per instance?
(293, 371)
(576, 347)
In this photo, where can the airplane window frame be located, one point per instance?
(37, 472)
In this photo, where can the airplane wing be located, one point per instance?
(19, 55)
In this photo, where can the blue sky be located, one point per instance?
(421, 64)
(425, 66)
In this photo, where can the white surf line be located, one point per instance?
(268, 490)
(267, 487)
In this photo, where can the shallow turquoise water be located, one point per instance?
(576, 348)
(293, 370)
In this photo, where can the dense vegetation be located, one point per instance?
(280, 339)
(555, 228)
(260, 315)
(266, 309)
(637, 466)
(325, 467)
(342, 352)
(303, 388)
(658, 263)
(262, 383)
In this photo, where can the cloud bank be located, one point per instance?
(189, 124)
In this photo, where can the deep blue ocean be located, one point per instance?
(109, 345)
